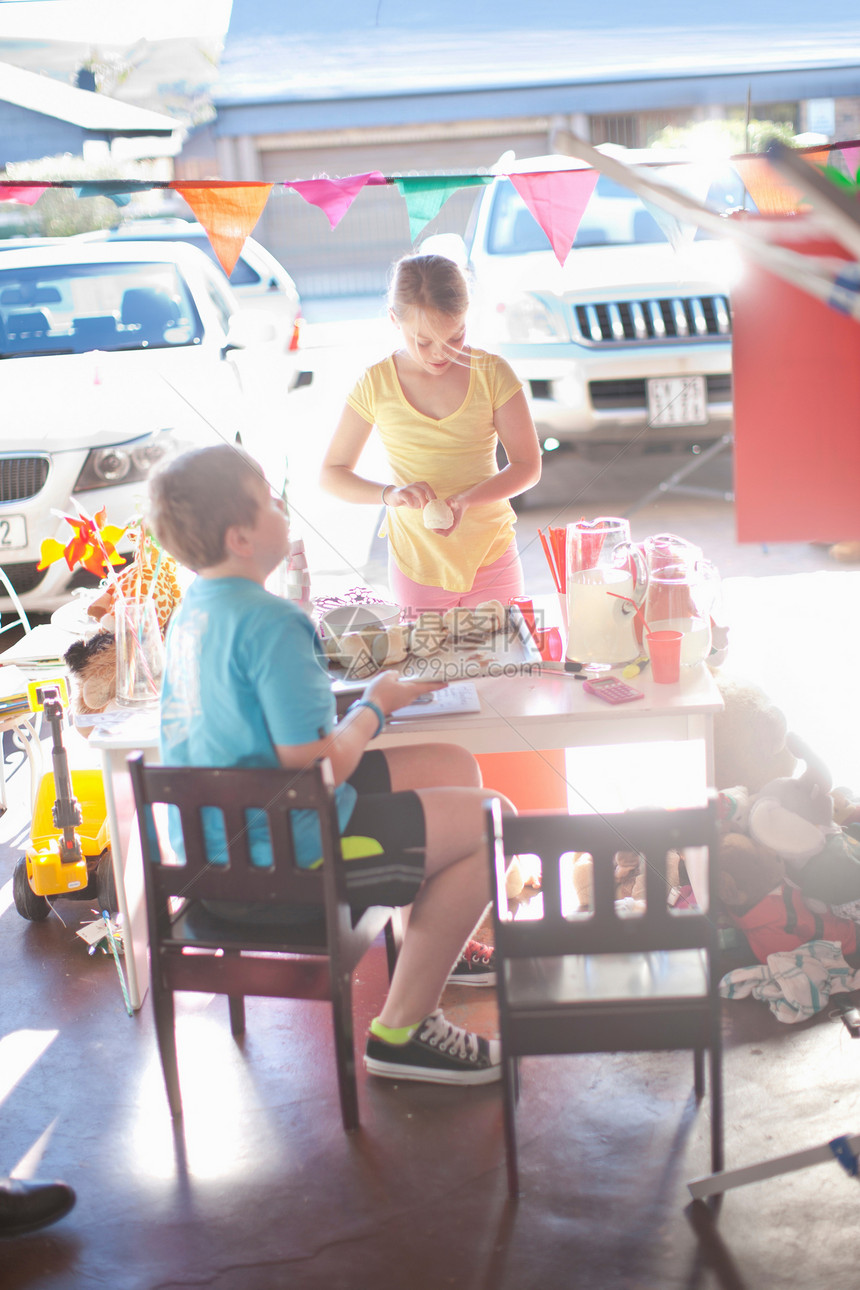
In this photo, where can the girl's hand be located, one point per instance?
(390, 691)
(414, 495)
(458, 509)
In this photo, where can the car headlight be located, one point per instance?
(124, 463)
(530, 319)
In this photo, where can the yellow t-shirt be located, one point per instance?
(451, 454)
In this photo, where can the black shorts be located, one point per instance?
(383, 845)
(385, 839)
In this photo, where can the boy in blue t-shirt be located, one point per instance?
(245, 686)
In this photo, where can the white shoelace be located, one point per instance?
(444, 1035)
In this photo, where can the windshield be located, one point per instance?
(614, 215)
(73, 308)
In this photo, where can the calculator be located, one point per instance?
(612, 691)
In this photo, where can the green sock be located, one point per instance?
(400, 1036)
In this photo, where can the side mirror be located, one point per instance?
(450, 245)
(248, 328)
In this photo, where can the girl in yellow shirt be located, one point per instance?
(440, 408)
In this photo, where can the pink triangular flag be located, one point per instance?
(334, 196)
(557, 199)
(26, 194)
(851, 156)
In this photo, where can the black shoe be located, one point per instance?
(27, 1206)
(475, 966)
(438, 1052)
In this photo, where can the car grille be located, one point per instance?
(28, 576)
(22, 477)
(673, 318)
(611, 396)
(23, 577)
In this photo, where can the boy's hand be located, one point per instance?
(390, 691)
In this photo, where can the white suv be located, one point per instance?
(629, 342)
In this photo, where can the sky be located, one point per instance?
(113, 22)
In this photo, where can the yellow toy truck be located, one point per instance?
(69, 851)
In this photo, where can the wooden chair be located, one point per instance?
(192, 949)
(602, 980)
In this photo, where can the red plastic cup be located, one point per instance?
(664, 651)
(550, 645)
(527, 609)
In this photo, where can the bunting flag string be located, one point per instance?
(229, 209)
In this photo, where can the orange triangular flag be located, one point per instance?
(557, 199)
(228, 213)
(771, 194)
(817, 156)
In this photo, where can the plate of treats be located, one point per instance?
(451, 645)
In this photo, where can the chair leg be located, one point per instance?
(699, 1073)
(716, 1074)
(510, 1091)
(344, 1048)
(237, 1013)
(393, 940)
(165, 1032)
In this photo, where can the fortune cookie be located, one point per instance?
(438, 514)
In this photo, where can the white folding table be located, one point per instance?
(529, 711)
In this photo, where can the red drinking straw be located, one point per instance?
(558, 539)
(550, 559)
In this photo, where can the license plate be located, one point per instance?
(677, 401)
(13, 532)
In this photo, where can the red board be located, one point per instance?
(796, 374)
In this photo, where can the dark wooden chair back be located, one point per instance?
(311, 954)
(608, 978)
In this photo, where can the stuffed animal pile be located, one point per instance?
(788, 871)
(788, 856)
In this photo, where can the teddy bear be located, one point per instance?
(92, 668)
(522, 879)
(772, 912)
(629, 877)
(794, 816)
(750, 746)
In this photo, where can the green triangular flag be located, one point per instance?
(425, 196)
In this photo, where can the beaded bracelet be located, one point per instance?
(374, 707)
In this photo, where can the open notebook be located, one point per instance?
(460, 696)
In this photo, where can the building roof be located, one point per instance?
(83, 108)
(375, 49)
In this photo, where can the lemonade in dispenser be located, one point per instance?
(606, 580)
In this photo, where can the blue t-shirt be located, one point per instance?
(244, 672)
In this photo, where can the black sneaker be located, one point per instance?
(438, 1052)
(475, 966)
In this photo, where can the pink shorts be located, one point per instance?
(497, 581)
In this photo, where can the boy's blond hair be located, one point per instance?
(196, 497)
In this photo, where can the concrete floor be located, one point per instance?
(264, 1190)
